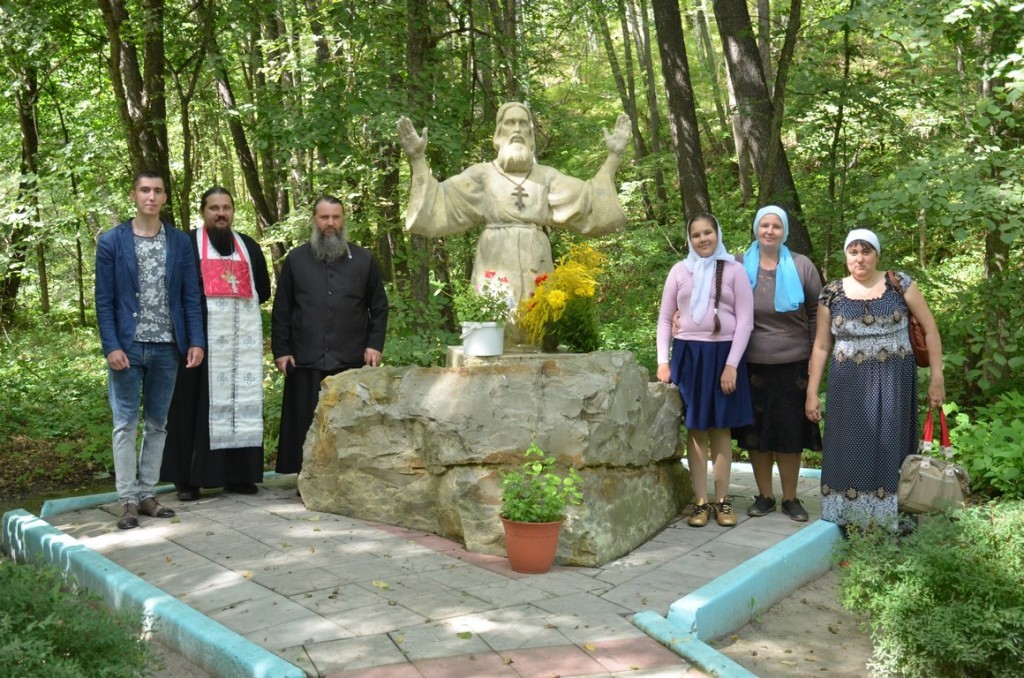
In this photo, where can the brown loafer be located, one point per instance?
(152, 508)
(130, 517)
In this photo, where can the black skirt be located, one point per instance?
(779, 393)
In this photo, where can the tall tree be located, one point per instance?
(640, 22)
(675, 68)
(139, 86)
(754, 108)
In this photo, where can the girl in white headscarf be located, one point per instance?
(714, 298)
(786, 287)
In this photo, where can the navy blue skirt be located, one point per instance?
(696, 368)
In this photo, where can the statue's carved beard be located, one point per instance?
(329, 248)
(220, 238)
(515, 157)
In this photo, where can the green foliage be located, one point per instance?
(947, 600)
(491, 304)
(48, 630)
(984, 329)
(55, 393)
(535, 493)
(578, 329)
(417, 335)
(988, 444)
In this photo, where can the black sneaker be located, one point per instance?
(762, 506)
(794, 509)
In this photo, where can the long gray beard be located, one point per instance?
(515, 158)
(329, 248)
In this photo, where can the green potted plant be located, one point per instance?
(482, 313)
(533, 501)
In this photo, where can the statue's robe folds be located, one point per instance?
(513, 242)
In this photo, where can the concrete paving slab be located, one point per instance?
(346, 654)
(337, 596)
(437, 639)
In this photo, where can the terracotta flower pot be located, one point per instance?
(531, 547)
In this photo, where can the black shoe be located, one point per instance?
(130, 517)
(794, 509)
(188, 493)
(152, 508)
(762, 506)
(241, 488)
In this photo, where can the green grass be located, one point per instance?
(50, 629)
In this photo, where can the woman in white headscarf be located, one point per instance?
(872, 385)
(786, 287)
(713, 296)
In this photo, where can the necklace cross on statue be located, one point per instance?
(519, 193)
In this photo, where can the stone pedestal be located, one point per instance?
(422, 447)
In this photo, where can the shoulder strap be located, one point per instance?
(895, 282)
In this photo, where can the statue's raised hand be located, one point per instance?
(413, 144)
(617, 140)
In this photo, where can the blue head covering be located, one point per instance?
(703, 270)
(789, 290)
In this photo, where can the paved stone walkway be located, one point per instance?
(342, 597)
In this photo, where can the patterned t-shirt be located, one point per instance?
(154, 323)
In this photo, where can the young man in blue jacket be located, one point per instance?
(147, 308)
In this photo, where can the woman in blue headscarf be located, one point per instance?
(786, 287)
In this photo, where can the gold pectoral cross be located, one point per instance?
(519, 193)
(229, 278)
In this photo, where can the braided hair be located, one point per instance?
(719, 267)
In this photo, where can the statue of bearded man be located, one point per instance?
(514, 197)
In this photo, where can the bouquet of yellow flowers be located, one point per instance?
(562, 306)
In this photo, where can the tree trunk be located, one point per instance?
(140, 89)
(711, 65)
(26, 96)
(642, 37)
(418, 42)
(837, 166)
(627, 92)
(191, 69)
(265, 212)
(675, 68)
(779, 100)
(505, 17)
(754, 108)
(764, 39)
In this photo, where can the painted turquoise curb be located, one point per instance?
(219, 650)
(733, 599)
(54, 507)
(696, 651)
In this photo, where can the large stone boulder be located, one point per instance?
(422, 447)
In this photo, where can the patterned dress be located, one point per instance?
(871, 404)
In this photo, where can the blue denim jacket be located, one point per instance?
(117, 289)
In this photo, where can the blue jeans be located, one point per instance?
(152, 371)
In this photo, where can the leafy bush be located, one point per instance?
(988, 444)
(947, 600)
(47, 630)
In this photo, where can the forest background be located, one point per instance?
(904, 116)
